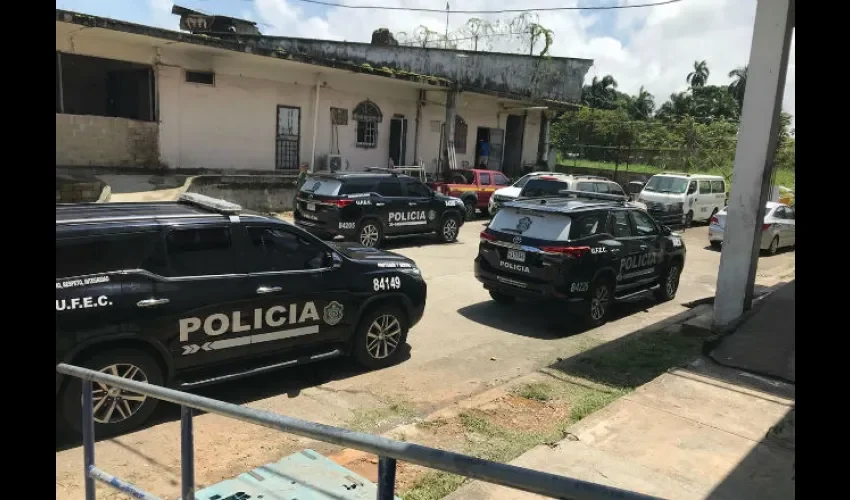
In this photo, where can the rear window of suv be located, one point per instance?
(323, 186)
(542, 187)
(542, 226)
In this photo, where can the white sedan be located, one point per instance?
(777, 231)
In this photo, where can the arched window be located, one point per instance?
(461, 131)
(368, 115)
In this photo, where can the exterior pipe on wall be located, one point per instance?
(61, 84)
(315, 122)
(419, 103)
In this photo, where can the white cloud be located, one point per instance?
(654, 47)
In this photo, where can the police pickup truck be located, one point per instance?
(198, 291)
(587, 250)
(367, 207)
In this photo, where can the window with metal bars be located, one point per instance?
(368, 116)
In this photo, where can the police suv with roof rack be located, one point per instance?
(587, 249)
(368, 207)
(198, 291)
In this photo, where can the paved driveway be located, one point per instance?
(464, 345)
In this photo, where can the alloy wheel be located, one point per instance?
(383, 336)
(450, 229)
(599, 303)
(113, 405)
(369, 235)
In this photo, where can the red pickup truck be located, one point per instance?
(473, 186)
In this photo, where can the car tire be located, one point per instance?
(370, 233)
(449, 229)
(469, 208)
(714, 244)
(131, 363)
(502, 298)
(669, 282)
(380, 337)
(774, 246)
(598, 305)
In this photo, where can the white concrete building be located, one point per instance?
(136, 96)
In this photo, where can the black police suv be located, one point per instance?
(586, 251)
(197, 291)
(367, 207)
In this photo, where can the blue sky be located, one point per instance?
(651, 47)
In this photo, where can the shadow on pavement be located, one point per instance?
(289, 381)
(541, 320)
(767, 471)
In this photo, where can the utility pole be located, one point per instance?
(446, 42)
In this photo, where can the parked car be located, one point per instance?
(698, 197)
(558, 184)
(587, 253)
(777, 231)
(196, 292)
(474, 187)
(511, 192)
(369, 207)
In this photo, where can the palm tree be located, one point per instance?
(643, 104)
(699, 75)
(738, 85)
(600, 93)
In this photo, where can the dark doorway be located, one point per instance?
(482, 136)
(398, 140)
(514, 129)
(288, 138)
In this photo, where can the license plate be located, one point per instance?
(516, 255)
(311, 207)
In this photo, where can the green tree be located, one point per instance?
(738, 85)
(699, 76)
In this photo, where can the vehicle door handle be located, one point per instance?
(151, 302)
(643, 247)
(268, 289)
(413, 203)
(379, 204)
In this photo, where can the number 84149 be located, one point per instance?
(386, 283)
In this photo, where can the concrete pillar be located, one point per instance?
(448, 145)
(543, 140)
(753, 159)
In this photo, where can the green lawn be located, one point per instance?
(783, 177)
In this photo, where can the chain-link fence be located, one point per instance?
(635, 150)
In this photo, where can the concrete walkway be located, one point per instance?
(766, 342)
(700, 432)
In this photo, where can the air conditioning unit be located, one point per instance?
(333, 163)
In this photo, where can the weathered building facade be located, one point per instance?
(136, 96)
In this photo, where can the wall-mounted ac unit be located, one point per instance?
(333, 163)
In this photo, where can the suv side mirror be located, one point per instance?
(332, 261)
(666, 231)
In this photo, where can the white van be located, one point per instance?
(700, 196)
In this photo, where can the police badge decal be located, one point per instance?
(332, 314)
(523, 224)
(432, 215)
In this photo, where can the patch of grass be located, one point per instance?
(432, 424)
(591, 401)
(537, 391)
(636, 362)
(395, 410)
(433, 486)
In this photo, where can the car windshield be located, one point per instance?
(523, 181)
(542, 187)
(665, 184)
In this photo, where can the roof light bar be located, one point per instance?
(210, 203)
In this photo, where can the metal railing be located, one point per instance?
(387, 450)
